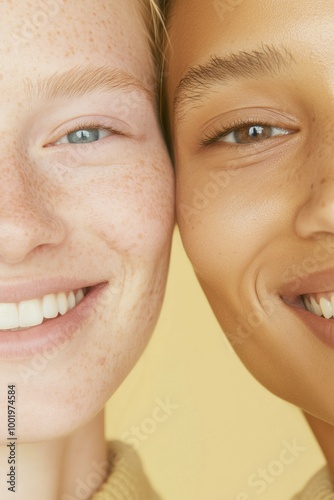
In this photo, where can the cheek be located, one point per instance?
(219, 229)
(130, 209)
(231, 224)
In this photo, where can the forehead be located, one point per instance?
(57, 34)
(199, 29)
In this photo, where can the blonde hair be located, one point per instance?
(154, 23)
(154, 18)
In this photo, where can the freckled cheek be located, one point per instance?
(136, 216)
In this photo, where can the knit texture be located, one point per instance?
(127, 480)
(320, 487)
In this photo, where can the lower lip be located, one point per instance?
(321, 327)
(52, 334)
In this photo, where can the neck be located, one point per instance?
(324, 433)
(68, 468)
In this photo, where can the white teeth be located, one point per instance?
(79, 296)
(50, 306)
(9, 316)
(307, 304)
(62, 303)
(32, 312)
(316, 308)
(326, 308)
(71, 300)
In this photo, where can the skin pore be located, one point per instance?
(86, 204)
(250, 113)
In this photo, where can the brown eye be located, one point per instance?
(252, 133)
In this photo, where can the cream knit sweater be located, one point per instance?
(320, 487)
(127, 480)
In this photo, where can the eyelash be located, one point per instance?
(217, 133)
(85, 126)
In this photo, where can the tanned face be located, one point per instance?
(251, 111)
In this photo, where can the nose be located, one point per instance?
(317, 214)
(26, 222)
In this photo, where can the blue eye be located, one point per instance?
(84, 136)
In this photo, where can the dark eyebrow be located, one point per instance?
(81, 80)
(198, 80)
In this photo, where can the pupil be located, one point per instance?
(83, 134)
(255, 131)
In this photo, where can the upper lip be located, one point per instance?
(322, 281)
(20, 290)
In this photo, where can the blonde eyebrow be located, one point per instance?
(79, 81)
(199, 80)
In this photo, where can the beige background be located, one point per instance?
(221, 426)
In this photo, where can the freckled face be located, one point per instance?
(254, 147)
(86, 201)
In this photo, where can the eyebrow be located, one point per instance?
(198, 80)
(79, 81)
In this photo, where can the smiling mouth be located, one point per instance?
(17, 316)
(311, 299)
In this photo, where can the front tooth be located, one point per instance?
(316, 308)
(326, 308)
(50, 306)
(9, 316)
(62, 303)
(30, 313)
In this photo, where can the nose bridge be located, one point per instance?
(317, 214)
(16, 182)
(25, 219)
(19, 187)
